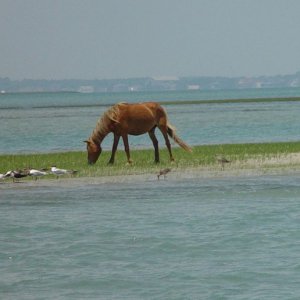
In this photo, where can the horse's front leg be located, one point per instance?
(126, 146)
(114, 148)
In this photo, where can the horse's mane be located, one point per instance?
(102, 125)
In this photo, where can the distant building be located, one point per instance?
(133, 89)
(86, 89)
(295, 83)
(193, 87)
(165, 78)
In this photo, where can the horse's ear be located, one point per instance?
(87, 142)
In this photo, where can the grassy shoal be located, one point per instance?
(232, 101)
(194, 102)
(203, 157)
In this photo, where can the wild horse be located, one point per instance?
(125, 119)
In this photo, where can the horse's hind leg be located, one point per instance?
(126, 146)
(164, 131)
(155, 144)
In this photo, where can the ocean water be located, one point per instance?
(61, 121)
(197, 238)
(218, 238)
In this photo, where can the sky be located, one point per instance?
(106, 39)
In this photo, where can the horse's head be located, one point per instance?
(93, 150)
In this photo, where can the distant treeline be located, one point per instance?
(148, 84)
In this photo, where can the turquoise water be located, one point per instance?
(36, 100)
(61, 121)
(215, 238)
(222, 238)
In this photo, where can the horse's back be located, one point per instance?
(139, 118)
(153, 109)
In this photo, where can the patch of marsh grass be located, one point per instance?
(143, 160)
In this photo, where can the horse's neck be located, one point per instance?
(97, 138)
(101, 131)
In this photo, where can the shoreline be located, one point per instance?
(171, 102)
(243, 169)
(203, 163)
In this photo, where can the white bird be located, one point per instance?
(3, 176)
(36, 173)
(59, 172)
(8, 174)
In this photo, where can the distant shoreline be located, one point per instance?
(166, 102)
(214, 173)
(245, 100)
(151, 84)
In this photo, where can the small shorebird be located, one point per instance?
(4, 176)
(35, 173)
(15, 175)
(223, 160)
(163, 172)
(58, 172)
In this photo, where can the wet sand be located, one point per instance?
(287, 165)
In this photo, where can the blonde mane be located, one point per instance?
(102, 125)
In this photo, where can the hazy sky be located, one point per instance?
(97, 39)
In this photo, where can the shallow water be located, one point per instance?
(217, 238)
(196, 238)
(60, 122)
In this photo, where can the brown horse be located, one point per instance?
(134, 119)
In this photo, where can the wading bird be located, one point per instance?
(163, 172)
(222, 160)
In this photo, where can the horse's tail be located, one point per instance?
(174, 136)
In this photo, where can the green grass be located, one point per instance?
(202, 156)
(200, 102)
(224, 101)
